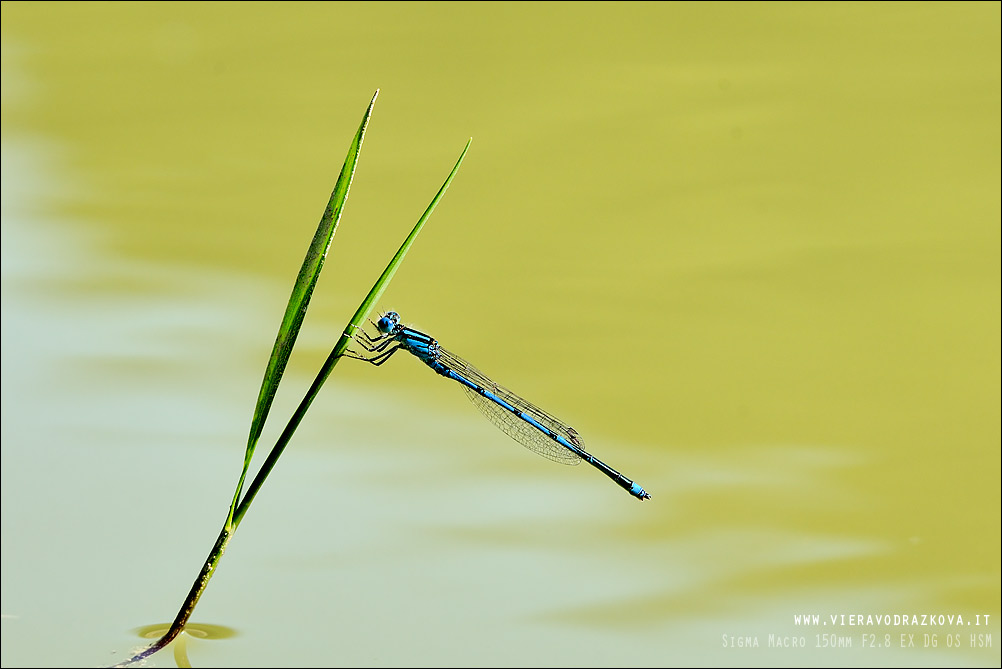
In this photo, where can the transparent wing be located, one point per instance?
(516, 428)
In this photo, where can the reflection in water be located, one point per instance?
(200, 631)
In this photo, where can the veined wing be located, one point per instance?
(516, 428)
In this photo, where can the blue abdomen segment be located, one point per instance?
(527, 418)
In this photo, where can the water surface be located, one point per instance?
(750, 251)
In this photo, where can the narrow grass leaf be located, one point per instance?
(370, 300)
(360, 315)
(299, 301)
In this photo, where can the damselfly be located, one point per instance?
(527, 424)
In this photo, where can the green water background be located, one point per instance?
(750, 251)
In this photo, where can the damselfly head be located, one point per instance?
(388, 322)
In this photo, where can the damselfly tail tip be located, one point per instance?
(637, 491)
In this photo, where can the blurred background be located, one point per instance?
(749, 251)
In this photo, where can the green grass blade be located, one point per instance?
(276, 365)
(377, 289)
(299, 301)
(360, 315)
